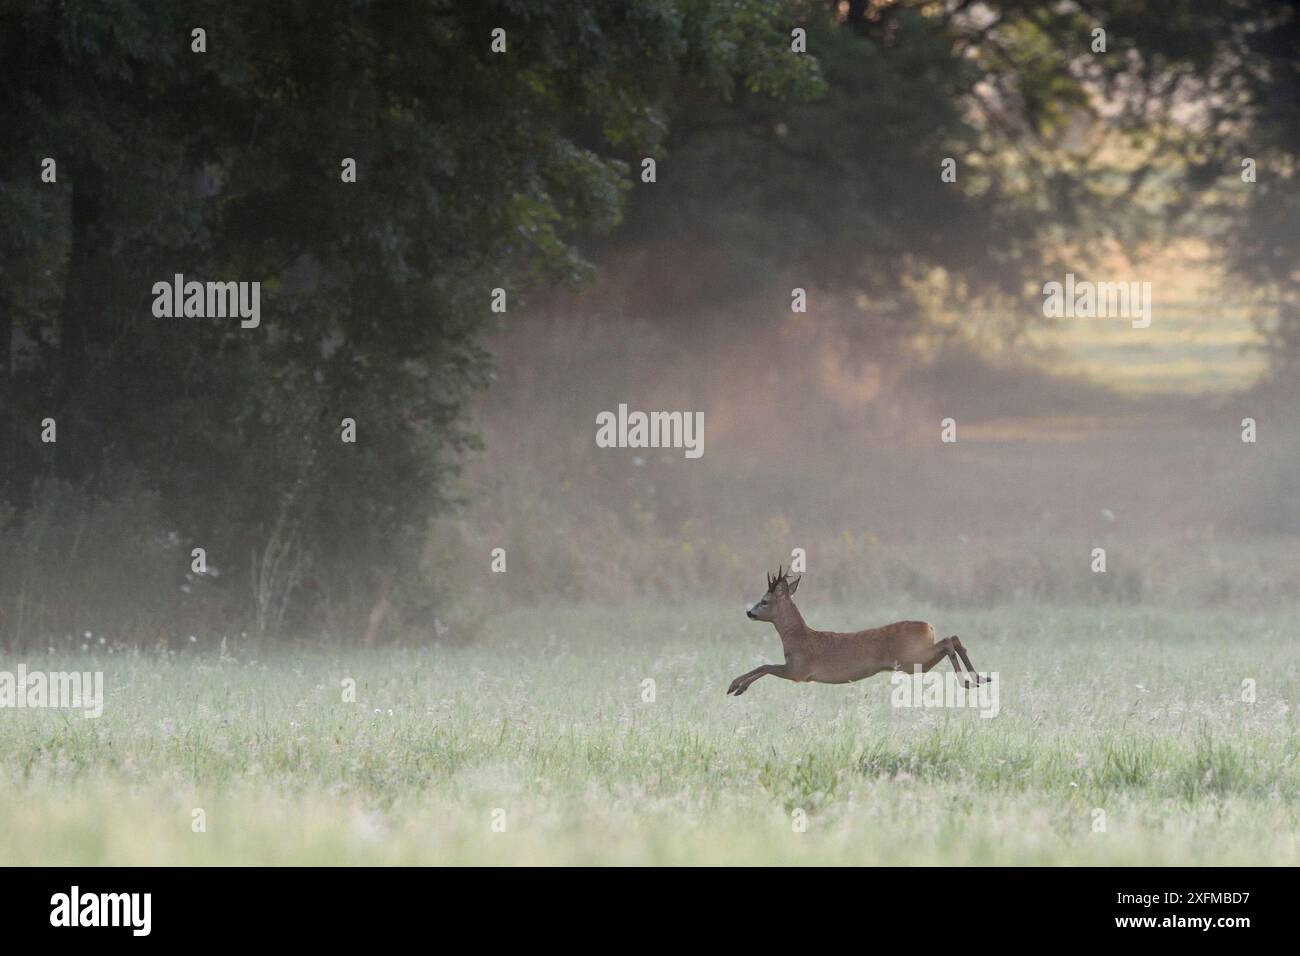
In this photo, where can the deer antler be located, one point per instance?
(780, 576)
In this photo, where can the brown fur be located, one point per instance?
(836, 657)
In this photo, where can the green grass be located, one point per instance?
(1133, 712)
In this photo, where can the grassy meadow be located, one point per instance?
(1131, 711)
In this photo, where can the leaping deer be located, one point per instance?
(831, 657)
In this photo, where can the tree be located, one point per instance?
(226, 165)
(1063, 149)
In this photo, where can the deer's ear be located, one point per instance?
(794, 585)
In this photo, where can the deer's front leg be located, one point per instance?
(741, 683)
(745, 679)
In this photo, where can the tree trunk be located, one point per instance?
(84, 294)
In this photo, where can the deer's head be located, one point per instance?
(779, 591)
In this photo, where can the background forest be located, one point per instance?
(522, 171)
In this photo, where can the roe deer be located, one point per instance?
(831, 657)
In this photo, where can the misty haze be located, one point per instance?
(662, 432)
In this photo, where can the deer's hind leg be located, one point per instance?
(938, 652)
(961, 651)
